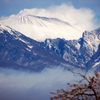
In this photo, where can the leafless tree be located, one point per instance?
(89, 89)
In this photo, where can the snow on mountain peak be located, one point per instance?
(92, 39)
(6, 28)
(40, 27)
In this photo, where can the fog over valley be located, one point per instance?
(20, 85)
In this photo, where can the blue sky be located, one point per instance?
(8, 7)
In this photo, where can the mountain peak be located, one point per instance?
(41, 27)
(26, 12)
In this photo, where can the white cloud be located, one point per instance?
(81, 19)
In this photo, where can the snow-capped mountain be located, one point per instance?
(19, 51)
(39, 27)
(84, 52)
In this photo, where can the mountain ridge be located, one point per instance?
(27, 53)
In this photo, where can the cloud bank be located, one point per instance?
(33, 86)
(83, 18)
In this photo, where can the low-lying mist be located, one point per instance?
(21, 85)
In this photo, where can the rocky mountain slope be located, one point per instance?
(20, 52)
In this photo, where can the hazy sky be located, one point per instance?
(8, 7)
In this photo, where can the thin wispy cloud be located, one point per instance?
(83, 18)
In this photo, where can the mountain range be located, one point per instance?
(21, 52)
(35, 42)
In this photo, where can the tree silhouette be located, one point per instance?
(88, 89)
